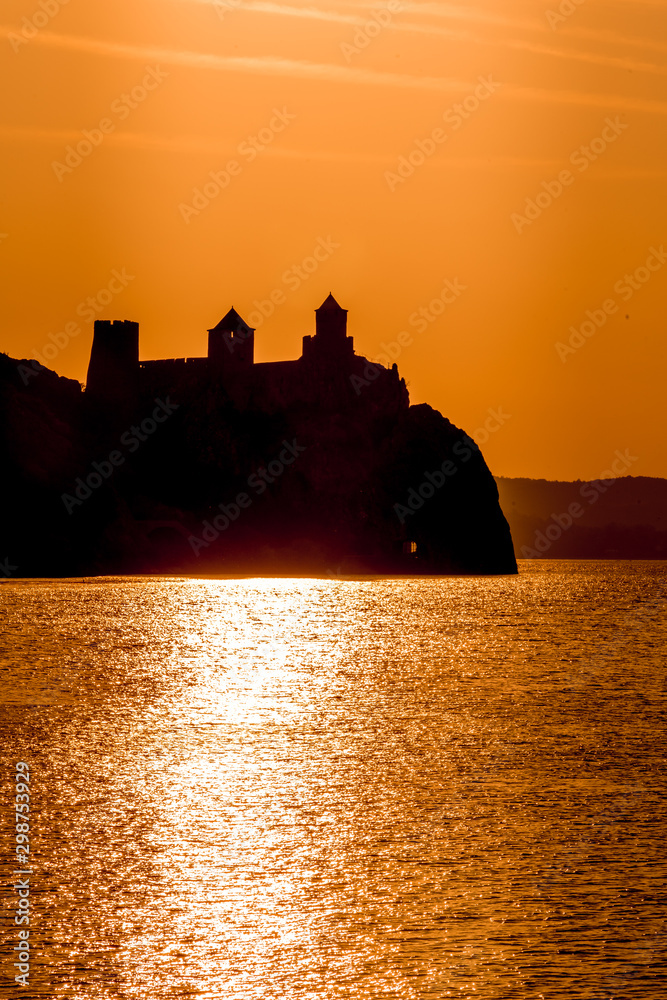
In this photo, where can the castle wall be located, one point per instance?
(172, 374)
(330, 350)
(328, 372)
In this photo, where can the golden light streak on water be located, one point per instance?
(343, 789)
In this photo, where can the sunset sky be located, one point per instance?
(333, 126)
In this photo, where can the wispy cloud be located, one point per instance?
(449, 11)
(458, 15)
(258, 65)
(460, 12)
(194, 144)
(592, 58)
(471, 15)
(327, 72)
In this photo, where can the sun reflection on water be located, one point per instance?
(331, 788)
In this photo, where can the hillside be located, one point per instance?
(610, 519)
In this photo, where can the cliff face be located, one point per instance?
(341, 476)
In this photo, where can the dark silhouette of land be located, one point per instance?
(625, 518)
(221, 465)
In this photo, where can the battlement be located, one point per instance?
(175, 362)
(328, 362)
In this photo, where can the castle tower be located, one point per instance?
(114, 363)
(330, 342)
(331, 321)
(231, 344)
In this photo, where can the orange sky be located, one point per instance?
(338, 96)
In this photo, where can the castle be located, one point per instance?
(366, 495)
(327, 370)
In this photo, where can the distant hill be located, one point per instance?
(601, 519)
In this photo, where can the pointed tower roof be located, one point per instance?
(330, 305)
(231, 322)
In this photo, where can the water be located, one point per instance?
(341, 789)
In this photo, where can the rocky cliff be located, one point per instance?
(343, 478)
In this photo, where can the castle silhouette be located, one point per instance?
(377, 485)
(328, 368)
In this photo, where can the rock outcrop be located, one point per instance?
(339, 475)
